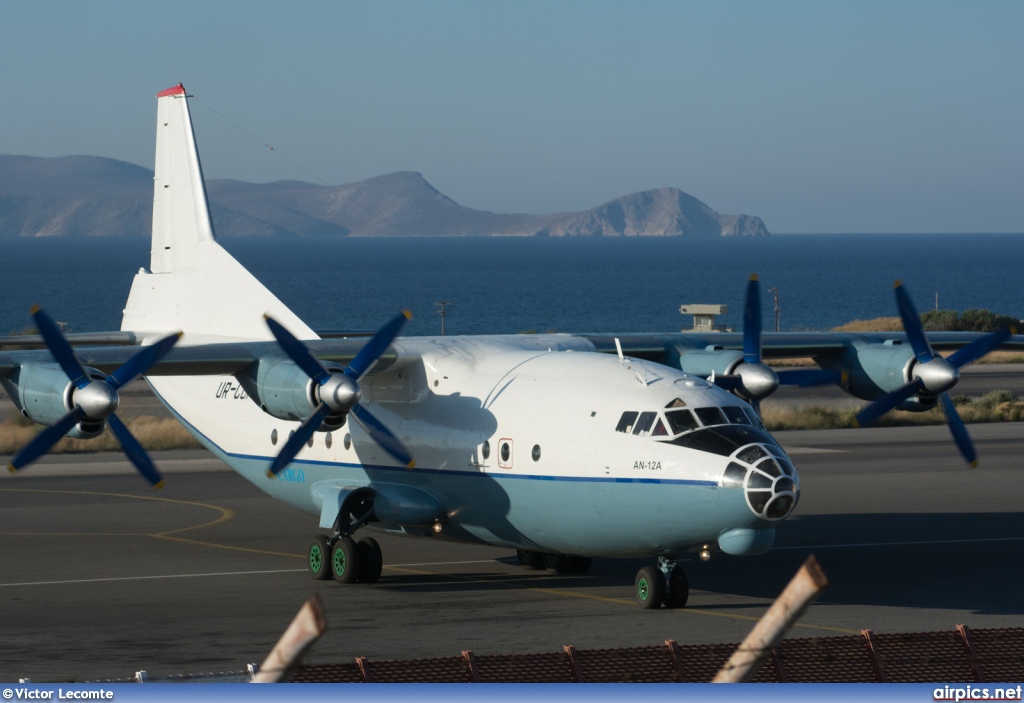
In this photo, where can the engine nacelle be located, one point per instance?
(702, 362)
(283, 390)
(918, 405)
(44, 394)
(876, 369)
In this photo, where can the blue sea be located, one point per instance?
(509, 285)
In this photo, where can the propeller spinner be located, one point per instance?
(752, 378)
(339, 393)
(932, 375)
(93, 399)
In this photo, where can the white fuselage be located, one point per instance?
(516, 438)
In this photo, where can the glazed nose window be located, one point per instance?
(770, 483)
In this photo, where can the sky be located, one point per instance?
(818, 116)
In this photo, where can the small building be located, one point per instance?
(704, 317)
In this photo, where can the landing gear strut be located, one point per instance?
(342, 558)
(665, 584)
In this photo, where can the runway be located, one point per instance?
(100, 577)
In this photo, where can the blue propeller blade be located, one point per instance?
(912, 325)
(360, 365)
(979, 348)
(294, 444)
(806, 378)
(377, 345)
(44, 441)
(297, 351)
(142, 361)
(134, 451)
(382, 436)
(956, 426)
(752, 323)
(886, 403)
(60, 348)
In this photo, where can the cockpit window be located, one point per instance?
(710, 416)
(736, 415)
(659, 429)
(723, 440)
(644, 424)
(754, 419)
(626, 422)
(681, 421)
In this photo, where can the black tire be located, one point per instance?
(580, 565)
(320, 558)
(531, 561)
(559, 563)
(370, 560)
(649, 588)
(345, 561)
(679, 591)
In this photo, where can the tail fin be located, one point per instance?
(194, 285)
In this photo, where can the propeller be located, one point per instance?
(752, 378)
(338, 393)
(94, 399)
(932, 375)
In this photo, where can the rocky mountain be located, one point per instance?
(91, 196)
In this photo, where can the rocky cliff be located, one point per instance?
(86, 196)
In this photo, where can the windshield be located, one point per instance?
(681, 421)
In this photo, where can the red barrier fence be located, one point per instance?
(962, 655)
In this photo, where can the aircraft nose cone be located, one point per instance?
(98, 399)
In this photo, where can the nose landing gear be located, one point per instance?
(665, 584)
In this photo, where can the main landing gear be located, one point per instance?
(665, 584)
(345, 560)
(341, 557)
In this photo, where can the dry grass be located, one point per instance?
(996, 357)
(879, 324)
(1002, 357)
(994, 406)
(155, 434)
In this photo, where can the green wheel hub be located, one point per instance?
(316, 558)
(650, 588)
(339, 562)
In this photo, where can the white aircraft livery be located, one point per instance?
(563, 447)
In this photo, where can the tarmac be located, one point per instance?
(101, 577)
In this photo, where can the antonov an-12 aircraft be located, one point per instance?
(563, 447)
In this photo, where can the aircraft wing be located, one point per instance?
(778, 345)
(235, 357)
(198, 360)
